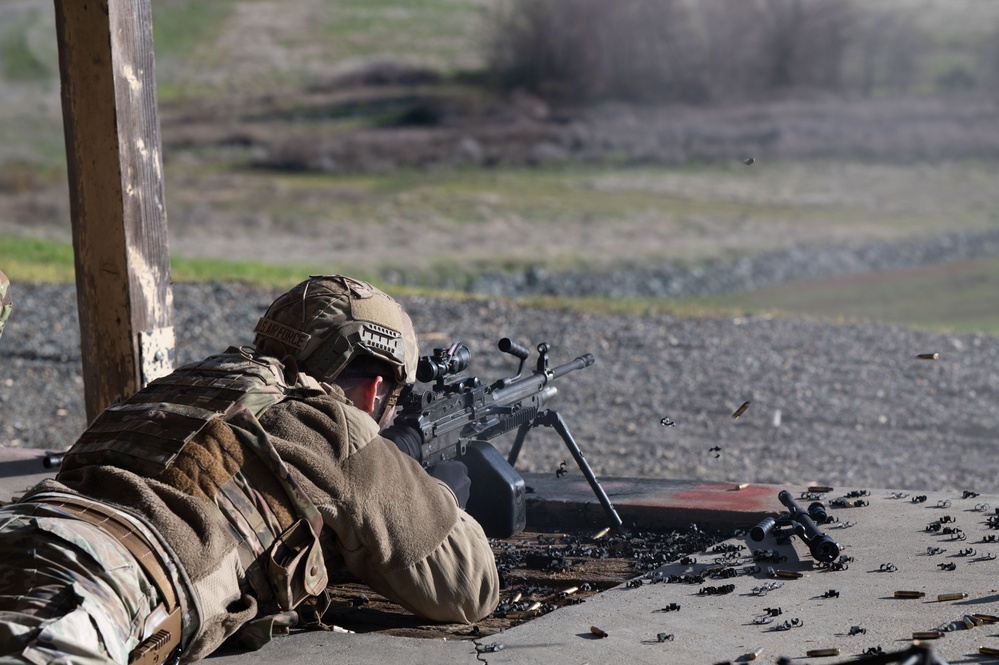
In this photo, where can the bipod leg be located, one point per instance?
(553, 419)
(518, 443)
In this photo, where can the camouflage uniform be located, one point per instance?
(6, 302)
(255, 482)
(53, 589)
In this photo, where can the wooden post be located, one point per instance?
(116, 196)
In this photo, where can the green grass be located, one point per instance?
(569, 217)
(196, 60)
(27, 53)
(548, 196)
(181, 27)
(794, 193)
(447, 228)
(39, 260)
(35, 260)
(957, 297)
(440, 33)
(184, 34)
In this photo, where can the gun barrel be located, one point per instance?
(580, 362)
(785, 498)
(817, 512)
(52, 460)
(535, 384)
(760, 531)
(821, 546)
(824, 548)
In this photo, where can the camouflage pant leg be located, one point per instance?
(69, 591)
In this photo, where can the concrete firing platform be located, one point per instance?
(888, 541)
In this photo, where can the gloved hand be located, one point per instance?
(407, 438)
(455, 475)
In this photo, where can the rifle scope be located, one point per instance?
(444, 362)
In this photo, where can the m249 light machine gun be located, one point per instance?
(802, 524)
(459, 416)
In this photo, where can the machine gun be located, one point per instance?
(459, 416)
(802, 524)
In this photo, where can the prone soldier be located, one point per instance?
(217, 501)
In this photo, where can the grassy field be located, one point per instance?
(957, 297)
(430, 224)
(28, 259)
(238, 46)
(571, 217)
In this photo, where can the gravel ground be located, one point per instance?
(847, 405)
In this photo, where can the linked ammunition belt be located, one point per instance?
(161, 636)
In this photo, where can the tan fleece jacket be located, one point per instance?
(392, 525)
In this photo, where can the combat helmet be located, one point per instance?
(327, 321)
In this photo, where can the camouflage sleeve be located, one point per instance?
(397, 528)
(457, 581)
(431, 557)
(6, 301)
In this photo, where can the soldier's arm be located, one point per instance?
(397, 528)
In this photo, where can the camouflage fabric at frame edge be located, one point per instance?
(6, 301)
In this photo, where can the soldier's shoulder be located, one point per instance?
(5, 296)
(6, 299)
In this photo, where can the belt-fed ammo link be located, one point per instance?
(163, 629)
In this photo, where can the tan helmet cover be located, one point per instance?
(329, 320)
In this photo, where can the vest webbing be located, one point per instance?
(145, 433)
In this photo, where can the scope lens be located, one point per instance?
(441, 364)
(428, 370)
(460, 359)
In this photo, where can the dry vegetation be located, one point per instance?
(336, 128)
(713, 51)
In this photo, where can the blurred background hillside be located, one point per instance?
(829, 158)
